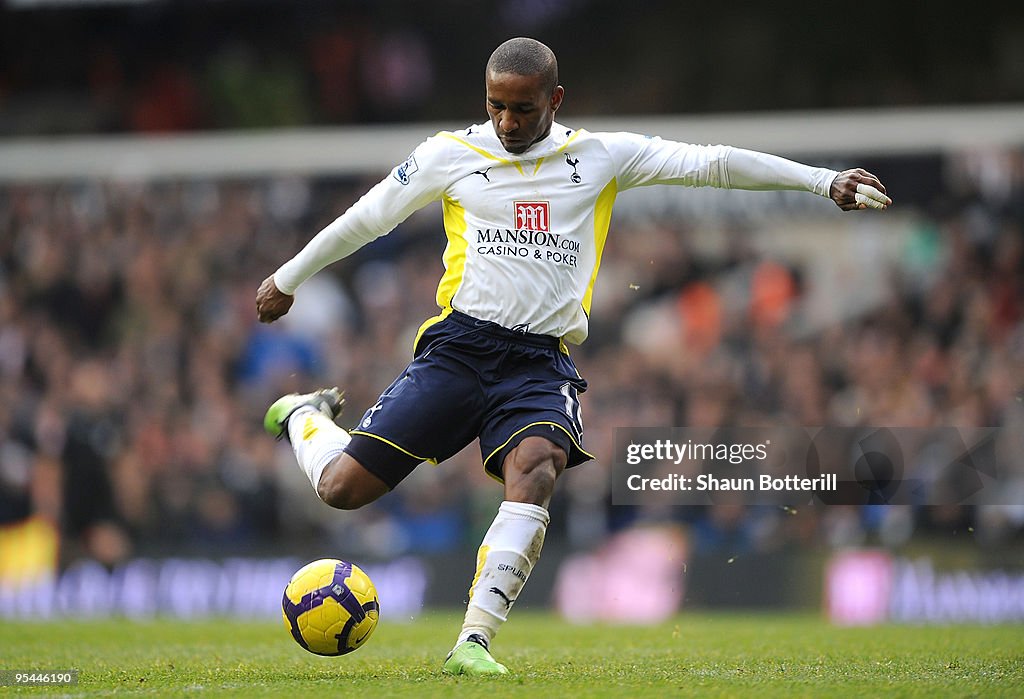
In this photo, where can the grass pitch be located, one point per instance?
(705, 655)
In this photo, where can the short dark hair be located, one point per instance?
(523, 56)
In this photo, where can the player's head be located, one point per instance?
(523, 93)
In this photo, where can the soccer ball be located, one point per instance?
(330, 607)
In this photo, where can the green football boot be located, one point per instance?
(328, 401)
(472, 658)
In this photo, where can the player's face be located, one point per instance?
(520, 109)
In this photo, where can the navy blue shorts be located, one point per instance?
(472, 378)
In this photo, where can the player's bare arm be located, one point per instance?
(271, 302)
(858, 189)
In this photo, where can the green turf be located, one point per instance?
(705, 655)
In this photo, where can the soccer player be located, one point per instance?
(526, 205)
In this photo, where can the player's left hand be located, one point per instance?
(271, 302)
(858, 189)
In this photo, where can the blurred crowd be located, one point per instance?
(158, 66)
(134, 376)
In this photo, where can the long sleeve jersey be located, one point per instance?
(525, 233)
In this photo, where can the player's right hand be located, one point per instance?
(857, 189)
(271, 302)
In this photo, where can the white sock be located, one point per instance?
(507, 555)
(316, 441)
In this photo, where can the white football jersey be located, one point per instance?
(526, 232)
